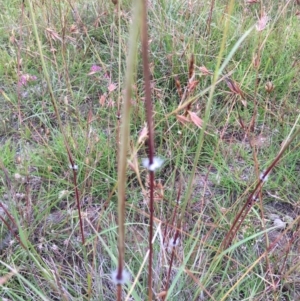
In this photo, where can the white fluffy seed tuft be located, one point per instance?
(74, 167)
(263, 176)
(157, 163)
(279, 223)
(124, 278)
(173, 243)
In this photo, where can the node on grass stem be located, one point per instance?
(174, 242)
(157, 163)
(125, 277)
(263, 176)
(255, 197)
(73, 167)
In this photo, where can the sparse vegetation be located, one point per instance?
(81, 177)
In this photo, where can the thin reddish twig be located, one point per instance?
(254, 196)
(149, 116)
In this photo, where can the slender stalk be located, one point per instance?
(57, 115)
(149, 116)
(19, 65)
(174, 242)
(206, 117)
(124, 142)
(254, 195)
(12, 231)
(12, 225)
(208, 22)
(175, 211)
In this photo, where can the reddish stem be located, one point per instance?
(77, 197)
(253, 197)
(149, 116)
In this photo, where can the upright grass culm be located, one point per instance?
(153, 162)
(12, 226)
(207, 113)
(120, 275)
(73, 165)
(19, 64)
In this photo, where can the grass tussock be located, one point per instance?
(149, 150)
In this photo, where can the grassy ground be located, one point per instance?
(62, 70)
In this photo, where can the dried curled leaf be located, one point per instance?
(234, 87)
(102, 99)
(262, 22)
(182, 119)
(53, 34)
(178, 87)
(256, 61)
(192, 85)
(205, 71)
(191, 67)
(192, 117)
(143, 135)
(162, 294)
(195, 119)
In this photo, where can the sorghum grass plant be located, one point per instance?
(149, 150)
